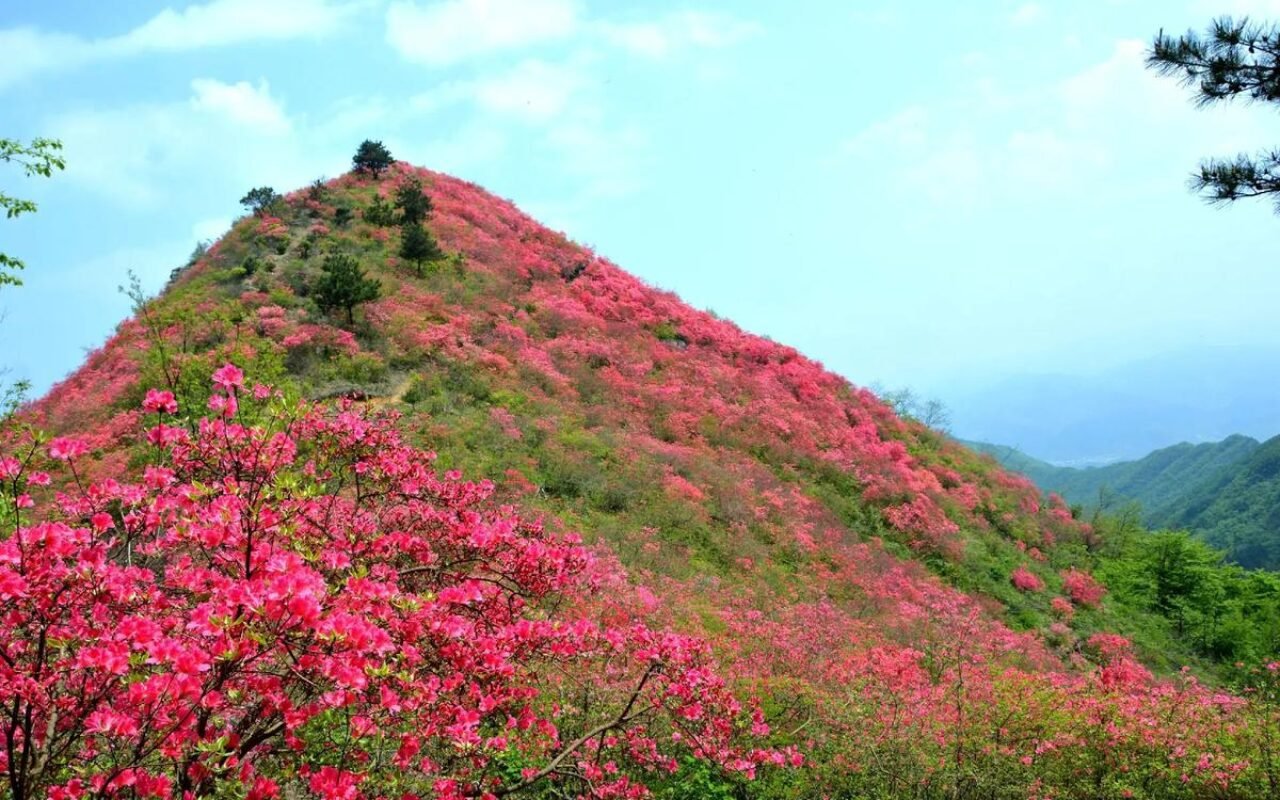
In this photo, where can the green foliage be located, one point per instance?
(418, 246)
(308, 245)
(1221, 612)
(12, 397)
(261, 200)
(1233, 58)
(696, 779)
(371, 157)
(252, 264)
(318, 191)
(184, 346)
(380, 213)
(344, 285)
(41, 158)
(666, 331)
(341, 216)
(413, 202)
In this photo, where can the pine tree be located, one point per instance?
(414, 204)
(1232, 59)
(344, 285)
(419, 246)
(372, 157)
(380, 213)
(260, 200)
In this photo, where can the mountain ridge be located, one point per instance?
(1226, 492)
(1123, 412)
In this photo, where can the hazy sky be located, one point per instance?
(916, 193)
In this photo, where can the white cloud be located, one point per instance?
(534, 90)
(29, 51)
(1114, 122)
(475, 145)
(1261, 9)
(451, 31)
(905, 129)
(241, 103)
(225, 22)
(235, 135)
(1027, 14)
(210, 229)
(686, 29)
(447, 32)
(609, 159)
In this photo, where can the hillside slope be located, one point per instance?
(1226, 492)
(912, 614)
(1155, 480)
(1237, 509)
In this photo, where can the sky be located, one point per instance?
(925, 194)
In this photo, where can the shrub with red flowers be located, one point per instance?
(291, 601)
(1025, 580)
(1082, 588)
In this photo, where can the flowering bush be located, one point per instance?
(291, 600)
(1026, 581)
(1083, 588)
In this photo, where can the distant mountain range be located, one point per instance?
(1198, 395)
(1228, 491)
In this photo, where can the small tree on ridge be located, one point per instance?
(260, 200)
(372, 157)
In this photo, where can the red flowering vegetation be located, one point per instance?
(925, 524)
(812, 535)
(1083, 588)
(946, 714)
(292, 601)
(272, 230)
(1062, 607)
(1024, 580)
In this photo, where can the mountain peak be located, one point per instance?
(743, 492)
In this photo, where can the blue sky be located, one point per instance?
(916, 193)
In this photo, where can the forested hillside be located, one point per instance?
(1225, 492)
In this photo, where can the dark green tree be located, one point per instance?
(419, 246)
(41, 157)
(372, 157)
(318, 190)
(260, 200)
(413, 202)
(380, 213)
(344, 285)
(1232, 59)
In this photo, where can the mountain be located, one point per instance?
(1227, 492)
(1125, 412)
(1236, 508)
(1156, 480)
(899, 612)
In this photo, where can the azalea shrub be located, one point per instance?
(290, 601)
